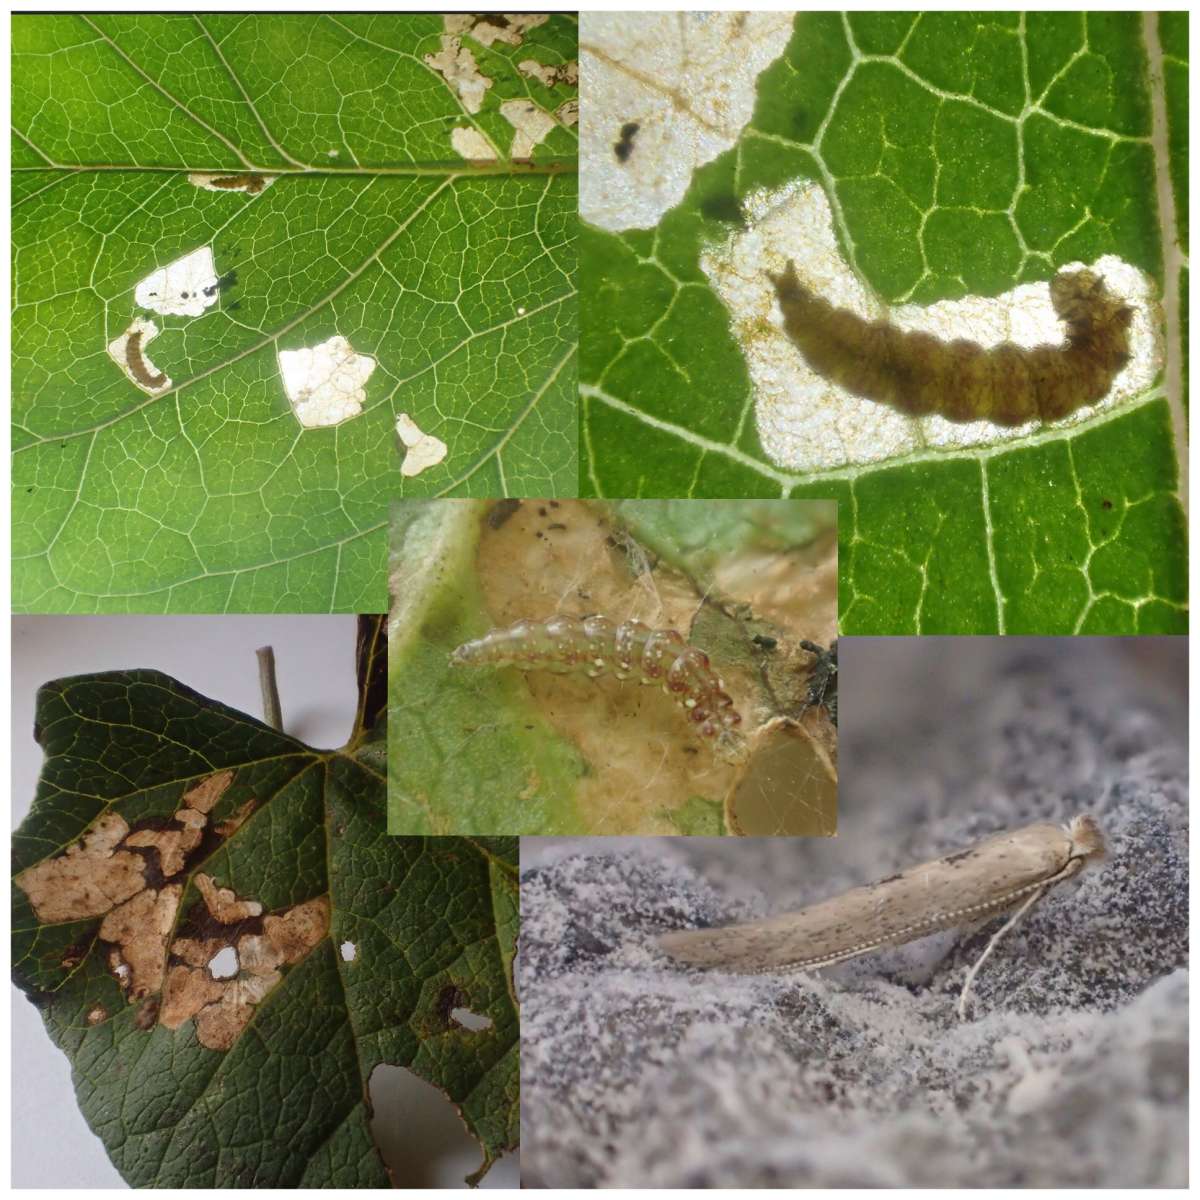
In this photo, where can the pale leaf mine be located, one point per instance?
(215, 979)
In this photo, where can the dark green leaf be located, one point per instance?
(388, 937)
(960, 154)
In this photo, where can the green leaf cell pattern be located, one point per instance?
(961, 154)
(457, 277)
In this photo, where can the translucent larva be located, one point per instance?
(596, 646)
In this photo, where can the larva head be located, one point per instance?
(466, 655)
(786, 284)
(1081, 299)
(1073, 293)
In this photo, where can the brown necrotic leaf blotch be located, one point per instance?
(919, 374)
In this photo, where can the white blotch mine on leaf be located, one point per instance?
(457, 64)
(247, 182)
(808, 423)
(348, 951)
(129, 353)
(489, 28)
(217, 980)
(472, 145)
(686, 80)
(567, 72)
(531, 124)
(325, 384)
(86, 879)
(130, 877)
(568, 113)
(184, 288)
(423, 449)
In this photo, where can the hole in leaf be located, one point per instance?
(224, 964)
(422, 1137)
(349, 951)
(475, 1022)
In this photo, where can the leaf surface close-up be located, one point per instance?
(401, 186)
(955, 163)
(706, 612)
(226, 945)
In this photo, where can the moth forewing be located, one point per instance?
(989, 878)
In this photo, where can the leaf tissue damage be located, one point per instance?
(187, 876)
(223, 223)
(134, 879)
(611, 670)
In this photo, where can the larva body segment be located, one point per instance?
(250, 184)
(918, 374)
(138, 367)
(597, 646)
(988, 878)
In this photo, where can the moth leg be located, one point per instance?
(1012, 921)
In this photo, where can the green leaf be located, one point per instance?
(697, 818)
(354, 949)
(960, 154)
(456, 277)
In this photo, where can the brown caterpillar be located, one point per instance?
(918, 374)
(250, 184)
(595, 645)
(138, 367)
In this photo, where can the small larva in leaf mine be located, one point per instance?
(919, 374)
(138, 367)
(595, 646)
(128, 351)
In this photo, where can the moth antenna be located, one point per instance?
(1011, 923)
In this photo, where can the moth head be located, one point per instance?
(1087, 842)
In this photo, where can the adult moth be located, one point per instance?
(1009, 870)
(919, 374)
(595, 646)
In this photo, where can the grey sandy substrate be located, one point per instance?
(1073, 1068)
